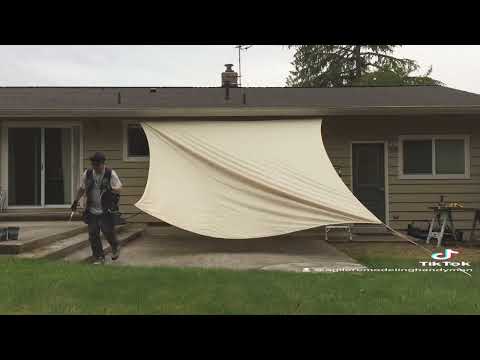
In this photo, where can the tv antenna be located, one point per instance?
(240, 49)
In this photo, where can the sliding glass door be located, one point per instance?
(42, 164)
(58, 166)
(24, 166)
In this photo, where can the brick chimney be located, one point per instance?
(229, 77)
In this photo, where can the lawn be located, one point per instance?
(39, 287)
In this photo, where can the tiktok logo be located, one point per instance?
(444, 256)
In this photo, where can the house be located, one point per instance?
(398, 148)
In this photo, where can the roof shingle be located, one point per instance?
(145, 97)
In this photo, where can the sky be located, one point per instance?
(456, 66)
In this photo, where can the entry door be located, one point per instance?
(368, 163)
(41, 166)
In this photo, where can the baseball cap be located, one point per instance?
(98, 157)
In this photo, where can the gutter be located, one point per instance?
(234, 111)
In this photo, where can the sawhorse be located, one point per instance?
(443, 218)
(476, 219)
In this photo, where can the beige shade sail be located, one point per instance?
(245, 179)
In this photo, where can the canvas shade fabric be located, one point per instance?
(245, 179)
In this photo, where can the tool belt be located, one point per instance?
(115, 216)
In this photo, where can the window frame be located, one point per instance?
(126, 157)
(434, 175)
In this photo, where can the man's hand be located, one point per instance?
(74, 205)
(116, 189)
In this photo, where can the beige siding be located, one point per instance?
(409, 199)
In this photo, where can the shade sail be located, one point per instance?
(245, 179)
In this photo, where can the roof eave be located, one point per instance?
(236, 111)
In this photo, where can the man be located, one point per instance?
(100, 185)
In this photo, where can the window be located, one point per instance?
(442, 157)
(450, 156)
(135, 143)
(417, 157)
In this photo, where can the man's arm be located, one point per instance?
(80, 192)
(115, 183)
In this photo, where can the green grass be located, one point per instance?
(39, 287)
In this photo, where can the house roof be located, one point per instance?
(17, 99)
(215, 96)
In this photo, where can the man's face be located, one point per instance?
(98, 166)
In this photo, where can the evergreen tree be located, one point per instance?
(352, 65)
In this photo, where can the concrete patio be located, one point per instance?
(169, 246)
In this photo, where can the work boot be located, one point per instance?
(100, 261)
(115, 253)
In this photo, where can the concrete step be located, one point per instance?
(85, 254)
(66, 246)
(58, 249)
(33, 236)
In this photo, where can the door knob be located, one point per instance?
(381, 188)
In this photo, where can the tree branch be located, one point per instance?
(388, 57)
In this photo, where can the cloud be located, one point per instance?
(136, 65)
(456, 66)
(196, 65)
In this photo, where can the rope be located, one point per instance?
(407, 238)
(130, 216)
(393, 231)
